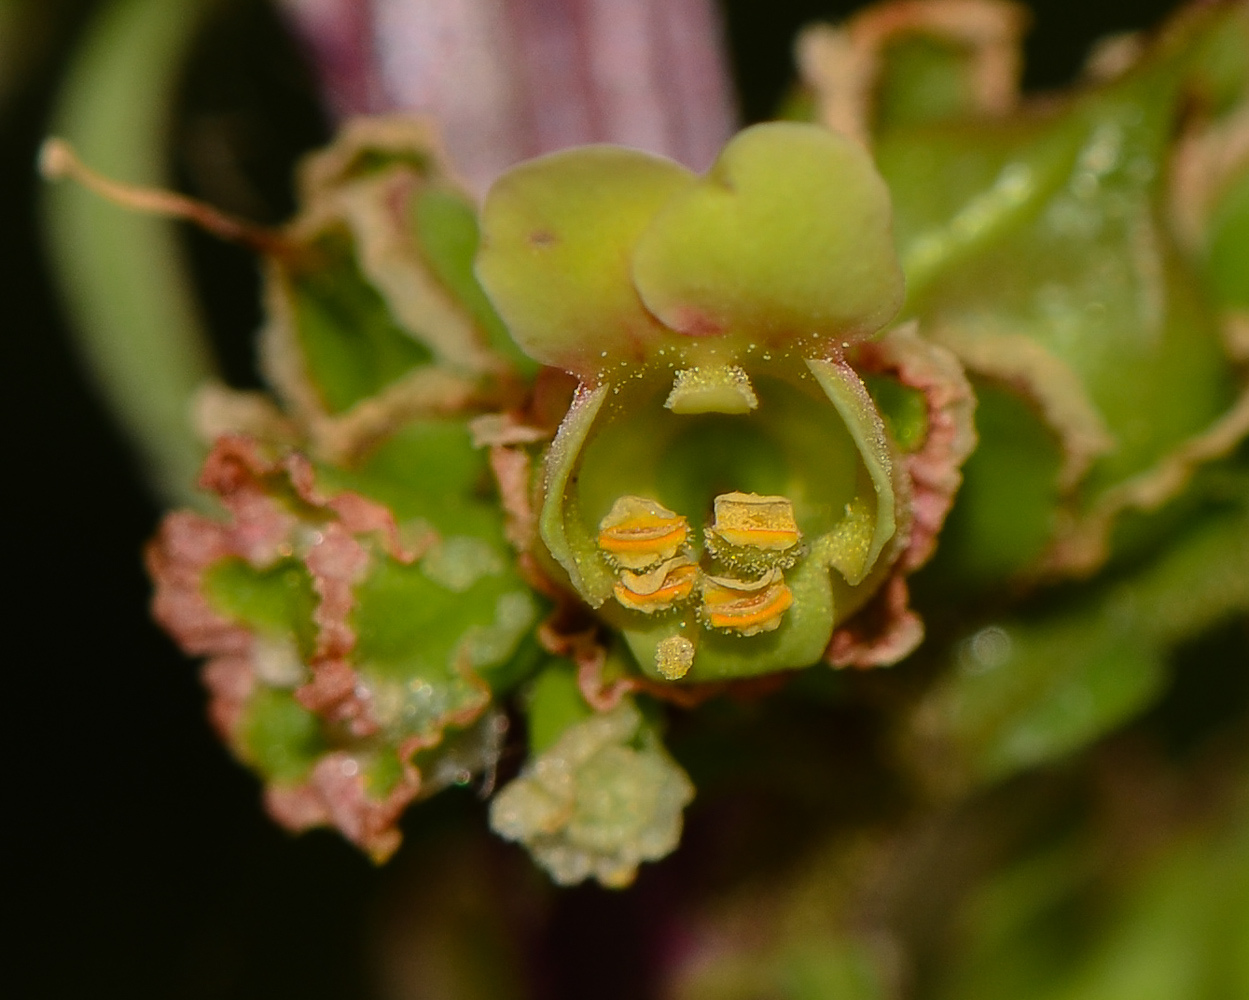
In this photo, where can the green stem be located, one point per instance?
(122, 274)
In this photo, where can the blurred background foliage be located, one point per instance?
(145, 867)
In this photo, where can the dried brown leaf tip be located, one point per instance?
(846, 67)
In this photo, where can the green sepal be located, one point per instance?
(444, 224)
(350, 344)
(859, 414)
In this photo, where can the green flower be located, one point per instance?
(723, 488)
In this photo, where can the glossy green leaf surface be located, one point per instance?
(1050, 232)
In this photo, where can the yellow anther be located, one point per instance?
(657, 589)
(638, 533)
(746, 606)
(674, 656)
(749, 520)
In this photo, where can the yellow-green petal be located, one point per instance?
(557, 237)
(788, 235)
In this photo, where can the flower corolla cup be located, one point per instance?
(722, 489)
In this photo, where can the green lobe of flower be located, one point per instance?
(557, 235)
(789, 233)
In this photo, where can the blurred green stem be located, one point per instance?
(122, 274)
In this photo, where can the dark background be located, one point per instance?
(140, 863)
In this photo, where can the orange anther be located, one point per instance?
(746, 606)
(638, 533)
(656, 591)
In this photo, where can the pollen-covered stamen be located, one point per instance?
(749, 528)
(746, 606)
(638, 533)
(659, 588)
(712, 389)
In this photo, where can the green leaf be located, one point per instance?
(429, 471)
(277, 599)
(1038, 250)
(280, 737)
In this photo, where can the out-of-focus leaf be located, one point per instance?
(804, 969)
(1004, 514)
(1228, 253)
(1049, 927)
(375, 317)
(1027, 691)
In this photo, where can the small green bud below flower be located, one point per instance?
(601, 800)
